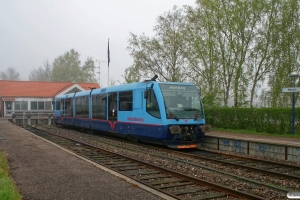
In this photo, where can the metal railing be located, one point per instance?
(29, 115)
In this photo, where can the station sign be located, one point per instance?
(292, 89)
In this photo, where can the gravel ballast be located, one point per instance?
(44, 171)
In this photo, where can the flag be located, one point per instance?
(108, 54)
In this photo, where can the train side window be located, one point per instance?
(112, 103)
(152, 105)
(125, 101)
(81, 107)
(99, 105)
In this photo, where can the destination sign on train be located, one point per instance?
(292, 89)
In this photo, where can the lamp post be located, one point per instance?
(294, 76)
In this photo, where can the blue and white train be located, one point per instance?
(167, 113)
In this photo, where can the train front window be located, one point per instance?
(182, 101)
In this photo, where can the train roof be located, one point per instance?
(124, 87)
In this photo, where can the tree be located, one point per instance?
(229, 29)
(10, 74)
(201, 37)
(132, 74)
(66, 68)
(42, 74)
(161, 55)
(239, 44)
(286, 48)
(87, 71)
(228, 48)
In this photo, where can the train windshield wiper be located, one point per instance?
(175, 116)
(172, 114)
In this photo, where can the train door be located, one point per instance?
(66, 107)
(112, 106)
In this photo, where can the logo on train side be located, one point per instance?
(136, 119)
(112, 124)
(186, 120)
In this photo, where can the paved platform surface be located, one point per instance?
(44, 171)
(257, 138)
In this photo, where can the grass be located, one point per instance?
(296, 135)
(8, 190)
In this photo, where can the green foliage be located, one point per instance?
(286, 49)
(87, 71)
(8, 190)
(132, 74)
(67, 68)
(229, 49)
(268, 120)
(163, 55)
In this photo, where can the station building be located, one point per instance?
(34, 95)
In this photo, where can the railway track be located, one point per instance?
(287, 171)
(259, 183)
(170, 182)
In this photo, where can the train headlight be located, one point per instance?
(205, 128)
(175, 129)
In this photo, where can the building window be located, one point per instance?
(21, 105)
(33, 105)
(24, 105)
(48, 105)
(17, 105)
(40, 105)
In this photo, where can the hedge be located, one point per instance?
(269, 120)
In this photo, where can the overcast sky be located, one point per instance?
(32, 31)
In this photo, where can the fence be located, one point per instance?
(31, 117)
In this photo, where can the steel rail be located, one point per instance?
(185, 177)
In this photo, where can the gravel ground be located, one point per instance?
(197, 169)
(43, 171)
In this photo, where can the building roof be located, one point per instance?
(37, 89)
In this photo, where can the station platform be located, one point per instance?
(268, 146)
(269, 139)
(42, 170)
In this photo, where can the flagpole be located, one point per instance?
(108, 60)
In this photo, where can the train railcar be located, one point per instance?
(167, 113)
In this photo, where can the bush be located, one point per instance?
(269, 120)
